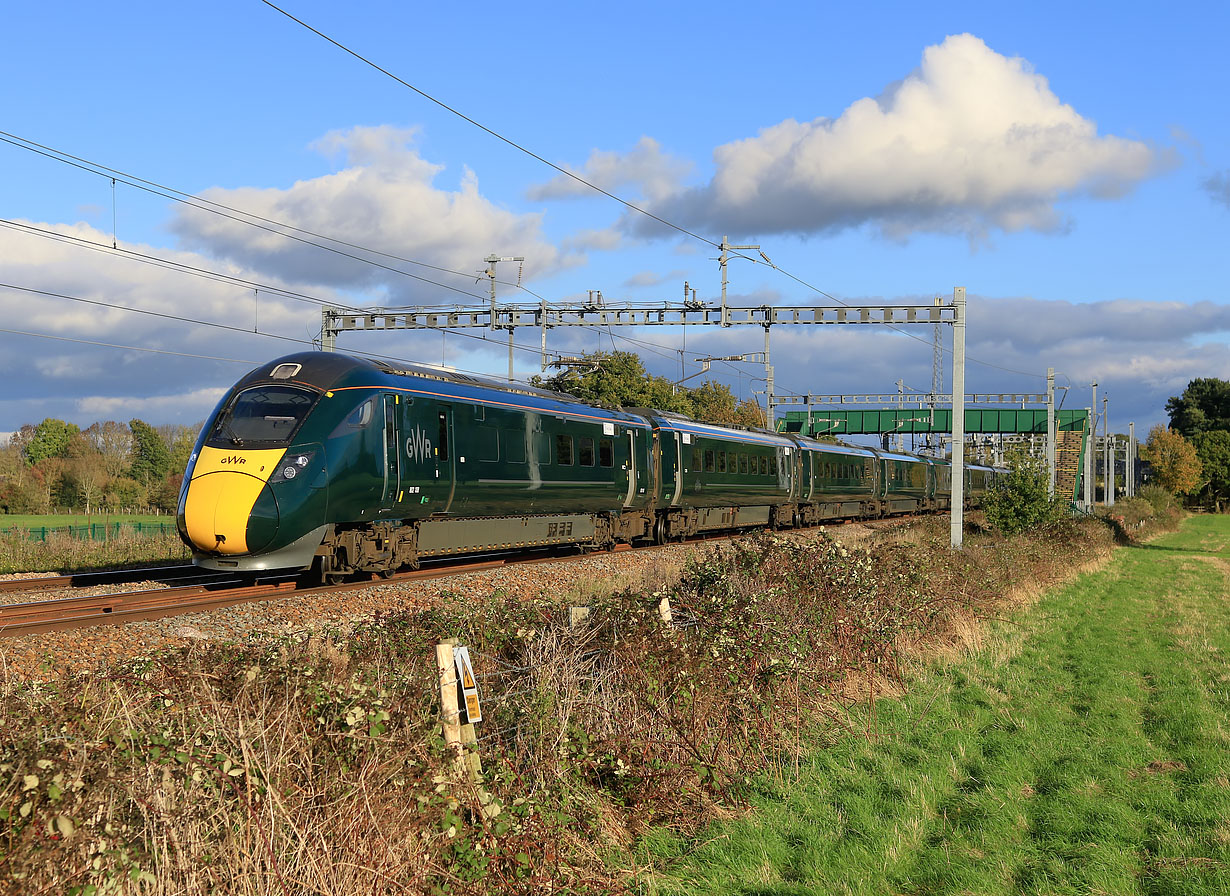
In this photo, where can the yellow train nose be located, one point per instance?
(220, 499)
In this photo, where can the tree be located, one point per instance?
(114, 442)
(1175, 465)
(1021, 500)
(1204, 406)
(85, 473)
(619, 379)
(51, 438)
(1213, 450)
(180, 440)
(715, 403)
(151, 461)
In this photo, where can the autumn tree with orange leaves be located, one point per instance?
(1176, 467)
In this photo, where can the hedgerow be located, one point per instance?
(295, 764)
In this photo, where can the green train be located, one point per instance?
(348, 465)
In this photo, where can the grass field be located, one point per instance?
(1085, 750)
(56, 520)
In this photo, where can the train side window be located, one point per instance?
(512, 447)
(487, 444)
(773, 465)
(606, 452)
(563, 450)
(721, 459)
(442, 440)
(764, 465)
(709, 467)
(542, 448)
(696, 458)
(742, 463)
(586, 457)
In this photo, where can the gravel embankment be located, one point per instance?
(55, 654)
(39, 657)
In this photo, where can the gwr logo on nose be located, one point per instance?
(233, 459)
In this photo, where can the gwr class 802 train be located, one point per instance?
(346, 465)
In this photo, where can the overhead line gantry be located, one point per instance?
(495, 316)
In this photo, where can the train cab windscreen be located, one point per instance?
(265, 416)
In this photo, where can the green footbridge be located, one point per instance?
(1072, 429)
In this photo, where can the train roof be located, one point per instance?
(332, 371)
(835, 447)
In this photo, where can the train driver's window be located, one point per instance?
(356, 419)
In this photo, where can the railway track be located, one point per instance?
(214, 591)
(166, 574)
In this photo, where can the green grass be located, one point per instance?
(55, 520)
(1085, 750)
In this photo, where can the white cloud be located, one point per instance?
(971, 141)
(156, 407)
(652, 173)
(608, 240)
(385, 200)
(653, 278)
(73, 355)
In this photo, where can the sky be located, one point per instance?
(1067, 164)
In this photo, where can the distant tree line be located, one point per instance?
(1192, 456)
(109, 467)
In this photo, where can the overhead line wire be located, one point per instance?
(157, 261)
(218, 208)
(488, 130)
(366, 61)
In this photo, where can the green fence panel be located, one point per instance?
(92, 531)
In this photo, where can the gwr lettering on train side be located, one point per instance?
(418, 446)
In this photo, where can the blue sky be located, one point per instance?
(1068, 164)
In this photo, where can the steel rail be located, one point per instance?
(61, 614)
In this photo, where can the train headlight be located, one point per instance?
(292, 466)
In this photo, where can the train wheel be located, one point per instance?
(661, 530)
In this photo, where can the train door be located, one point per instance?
(668, 445)
(392, 453)
(445, 456)
(426, 454)
(633, 469)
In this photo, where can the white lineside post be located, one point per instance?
(1129, 475)
(450, 712)
(958, 418)
(1108, 474)
(1052, 437)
